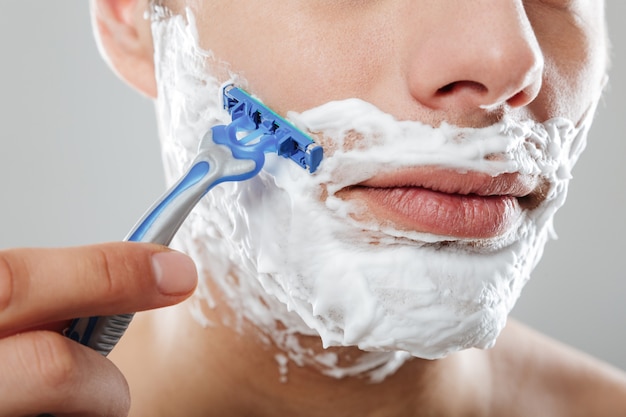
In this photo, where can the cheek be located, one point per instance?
(575, 52)
(301, 60)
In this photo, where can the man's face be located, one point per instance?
(416, 60)
(450, 129)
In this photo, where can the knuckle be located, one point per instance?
(54, 362)
(60, 375)
(6, 283)
(110, 270)
(123, 268)
(14, 275)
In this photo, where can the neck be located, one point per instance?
(229, 372)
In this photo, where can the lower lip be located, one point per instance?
(427, 211)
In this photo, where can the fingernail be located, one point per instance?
(175, 273)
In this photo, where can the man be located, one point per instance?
(469, 71)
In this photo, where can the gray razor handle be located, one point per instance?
(159, 224)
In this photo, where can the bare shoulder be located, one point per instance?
(545, 377)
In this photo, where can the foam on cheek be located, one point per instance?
(288, 255)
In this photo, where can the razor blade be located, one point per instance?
(249, 113)
(233, 152)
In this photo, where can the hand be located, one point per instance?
(41, 290)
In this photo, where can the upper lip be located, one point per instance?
(451, 181)
(448, 202)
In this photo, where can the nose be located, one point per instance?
(474, 55)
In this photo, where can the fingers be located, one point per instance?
(40, 286)
(44, 372)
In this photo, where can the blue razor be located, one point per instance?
(234, 152)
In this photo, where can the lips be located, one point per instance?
(446, 202)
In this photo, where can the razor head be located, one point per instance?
(291, 142)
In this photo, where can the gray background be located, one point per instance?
(79, 163)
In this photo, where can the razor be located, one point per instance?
(233, 152)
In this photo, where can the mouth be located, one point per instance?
(445, 202)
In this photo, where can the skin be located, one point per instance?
(468, 63)
(44, 372)
(532, 59)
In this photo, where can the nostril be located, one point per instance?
(446, 89)
(460, 86)
(477, 94)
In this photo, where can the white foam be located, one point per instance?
(287, 254)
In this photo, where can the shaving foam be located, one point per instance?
(291, 257)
